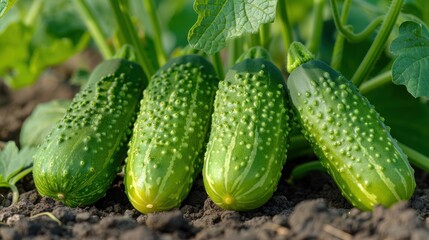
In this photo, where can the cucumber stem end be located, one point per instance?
(298, 54)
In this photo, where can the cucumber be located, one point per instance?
(347, 134)
(248, 140)
(82, 154)
(170, 133)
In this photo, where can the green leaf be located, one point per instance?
(14, 165)
(58, 51)
(5, 5)
(408, 117)
(37, 126)
(14, 42)
(411, 67)
(14, 54)
(12, 162)
(27, 49)
(219, 21)
(59, 20)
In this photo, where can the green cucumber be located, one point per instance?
(248, 140)
(82, 154)
(170, 133)
(347, 134)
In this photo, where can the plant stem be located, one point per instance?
(347, 30)
(285, 24)
(254, 40)
(15, 193)
(156, 29)
(416, 158)
(316, 35)
(231, 53)
(264, 35)
(217, 63)
(129, 34)
(302, 170)
(337, 54)
(376, 82)
(35, 9)
(377, 46)
(126, 52)
(48, 214)
(20, 175)
(94, 29)
(122, 23)
(14, 180)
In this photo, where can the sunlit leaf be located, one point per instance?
(13, 161)
(26, 50)
(14, 42)
(14, 54)
(37, 126)
(411, 67)
(219, 21)
(5, 5)
(14, 165)
(57, 52)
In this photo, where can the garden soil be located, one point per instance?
(308, 208)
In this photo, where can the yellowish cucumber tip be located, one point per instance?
(149, 206)
(61, 196)
(228, 200)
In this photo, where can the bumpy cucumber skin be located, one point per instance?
(349, 137)
(171, 130)
(80, 158)
(248, 140)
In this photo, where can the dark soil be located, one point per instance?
(310, 208)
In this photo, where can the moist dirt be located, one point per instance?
(308, 208)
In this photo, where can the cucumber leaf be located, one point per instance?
(408, 117)
(411, 66)
(14, 45)
(57, 52)
(14, 165)
(219, 21)
(37, 126)
(27, 49)
(5, 5)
